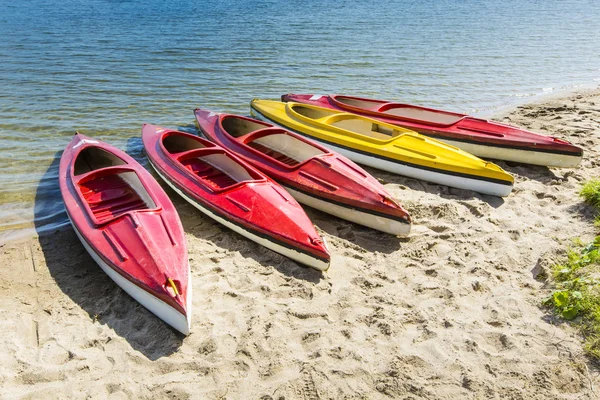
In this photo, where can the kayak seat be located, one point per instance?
(363, 126)
(110, 196)
(282, 146)
(423, 115)
(269, 152)
(366, 104)
(214, 177)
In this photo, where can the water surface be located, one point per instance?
(103, 67)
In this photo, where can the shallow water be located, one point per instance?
(103, 67)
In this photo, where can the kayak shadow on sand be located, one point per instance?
(206, 229)
(584, 210)
(84, 282)
(364, 237)
(445, 192)
(534, 172)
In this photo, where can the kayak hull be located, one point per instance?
(517, 155)
(380, 223)
(129, 227)
(253, 206)
(483, 138)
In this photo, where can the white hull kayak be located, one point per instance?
(379, 223)
(478, 185)
(517, 155)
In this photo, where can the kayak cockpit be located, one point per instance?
(371, 105)
(349, 122)
(174, 143)
(94, 158)
(108, 187)
(357, 125)
(238, 127)
(316, 114)
(269, 141)
(402, 111)
(111, 195)
(210, 165)
(365, 127)
(420, 114)
(215, 168)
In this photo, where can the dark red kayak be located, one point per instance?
(483, 138)
(313, 174)
(235, 194)
(129, 226)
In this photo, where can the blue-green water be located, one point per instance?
(104, 67)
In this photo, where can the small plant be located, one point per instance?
(577, 294)
(591, 192)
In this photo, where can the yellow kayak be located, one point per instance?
(387, 147)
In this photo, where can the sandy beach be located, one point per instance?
(453, 311)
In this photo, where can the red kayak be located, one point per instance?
(483, 138)
(313, 174)
(129, 226)
(235, 194)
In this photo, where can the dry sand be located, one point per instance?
(451, 312)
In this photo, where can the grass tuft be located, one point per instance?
(577, 294)
(591, 192)
(577, 282)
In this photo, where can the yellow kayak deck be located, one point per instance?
(378, 139)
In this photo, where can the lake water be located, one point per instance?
(103, 67)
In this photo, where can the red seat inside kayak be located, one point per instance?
(273, 154)
(109, 196)
(211, 175)
(251, 138)
(213, 166)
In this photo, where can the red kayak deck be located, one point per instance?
(231, 191)
(127, 223)
(442, 125)
(300, 164)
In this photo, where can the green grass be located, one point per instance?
(577, 294)
(577, 281)
(591, 192)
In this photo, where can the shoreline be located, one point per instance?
(31, 228)
(563, 92)
(452, 311)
